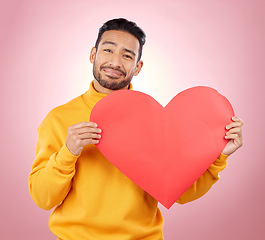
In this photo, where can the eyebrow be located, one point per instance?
(109, 42)
(115, 44)
(130, 51)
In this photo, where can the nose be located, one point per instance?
(115, 60)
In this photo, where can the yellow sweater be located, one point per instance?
(91, 198)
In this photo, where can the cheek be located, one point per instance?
(99, 60)
(130, 69)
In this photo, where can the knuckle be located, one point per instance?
(89, 129)
(83, 123)
(90, 124)
(92, 135)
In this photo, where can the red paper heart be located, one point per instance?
(163, 150)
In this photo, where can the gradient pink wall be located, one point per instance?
(44, 63)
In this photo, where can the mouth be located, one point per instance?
(113, 72)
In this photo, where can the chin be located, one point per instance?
(113, 84)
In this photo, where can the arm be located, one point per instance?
(54, 165)
(211, 176)
(205, 182)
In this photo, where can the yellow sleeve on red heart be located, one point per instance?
(205, 182)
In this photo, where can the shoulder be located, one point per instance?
(66, 114)
(72, 105)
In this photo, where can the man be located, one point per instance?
(91, 198)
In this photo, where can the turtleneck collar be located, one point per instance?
(92, 96)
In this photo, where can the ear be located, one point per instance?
(93, 55)
(138, 67)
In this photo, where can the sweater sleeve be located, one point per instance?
(205, 182)
(53, 168)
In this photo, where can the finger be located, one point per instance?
(89, 136)
(238, 141)
(92, 129)
(88, 130)
(232, 136)
(234, 130)
(237, 133)
(83, 130)
(89, 141)
(84, 124)
(233, 125)
(237, 119)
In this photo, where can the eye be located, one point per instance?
(127, 56)
(107, 50)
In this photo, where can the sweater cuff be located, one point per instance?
(221, 159)
(65, 158)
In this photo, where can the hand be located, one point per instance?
(234, 135)
(80, 135)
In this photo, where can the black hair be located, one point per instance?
(122, 24)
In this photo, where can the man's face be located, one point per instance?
(115, 60)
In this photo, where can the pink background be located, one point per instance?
(44, 63)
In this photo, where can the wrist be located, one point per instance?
(66, 158)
